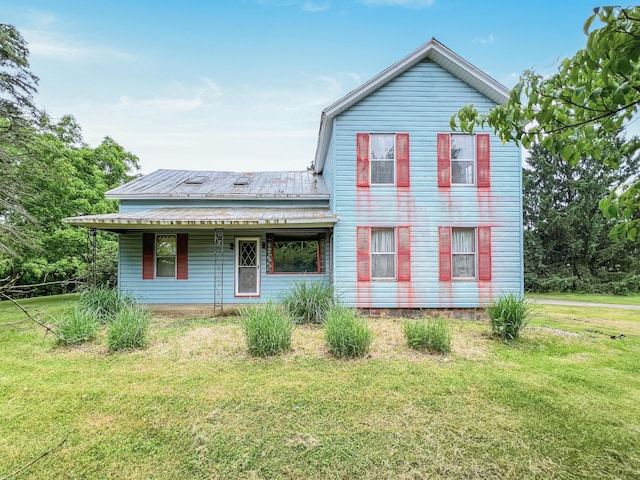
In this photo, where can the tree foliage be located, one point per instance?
(577, 111)
(49, 173)
(567, 246)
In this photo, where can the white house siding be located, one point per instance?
(199, 287)
(421, 102)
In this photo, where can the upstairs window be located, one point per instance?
(463, 160)
(382, 159)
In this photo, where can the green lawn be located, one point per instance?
(560, 403)
(587, 297)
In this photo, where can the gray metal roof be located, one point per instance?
(164, 184)
(207, 218)
(432, 50)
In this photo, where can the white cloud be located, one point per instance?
(486, 40)
(311, 7)
(66, 48)
(179, 98)
(399, 3)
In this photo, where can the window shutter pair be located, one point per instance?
(483, 252)
(402, 159)
(363, 246)
(148, 256)
(483, 159)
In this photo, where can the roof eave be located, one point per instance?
(123, 225)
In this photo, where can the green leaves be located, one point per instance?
(576, 112)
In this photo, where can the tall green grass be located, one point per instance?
(129, 328)
(346, 333)
(308, 302)
(75, 327)
(432, 335)
(508, 315)
(267, 329)
(104, 302)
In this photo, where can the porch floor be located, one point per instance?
(185, 310)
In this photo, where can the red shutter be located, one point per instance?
(444, 253)
(148, 248)
(444, 160)
(182, 256)
(402, 159)
(483, 159)
(404, 254)
(362, 239)
(484, 253)
(362, 159)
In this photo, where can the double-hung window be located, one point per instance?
(166, 251)
(463, 160)
(383, 157)
(463, 252)
(383, 253)
(165, 256)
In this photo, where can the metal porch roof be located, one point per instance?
(181, 184)
(207, 218)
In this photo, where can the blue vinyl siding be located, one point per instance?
(421, 102)
(199, 287)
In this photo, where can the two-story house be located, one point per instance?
(398, 212)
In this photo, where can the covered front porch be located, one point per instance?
(218, 257)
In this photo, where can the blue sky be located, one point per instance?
(240, 84)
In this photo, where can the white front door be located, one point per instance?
(247, 269)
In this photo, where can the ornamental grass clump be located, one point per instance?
(104, 303)
(432, 335)
(76, 327)
(508, 315)
(308, 302)
(129, 328)
(346, 333)
(267, 329)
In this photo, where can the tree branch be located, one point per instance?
(594, 119)
(21, 469)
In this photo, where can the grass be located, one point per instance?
(129, 328)
(347, 334)
(104, 303)
(558, 403)
(587, 297)
(309, 302)
(508, 315)
(267, 329)
(431, 335)
(77, 326)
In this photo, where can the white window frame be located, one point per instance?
(156, 256)
(474, 253)
(258, 267)
(473, 160)
(380, 160)
(394, 253)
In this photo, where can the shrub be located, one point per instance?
(432, 335)
(104, 302)
(129, 328)
(508, 315)
(346, 333)
(76, 327)
(267, 328)
(308, 302)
